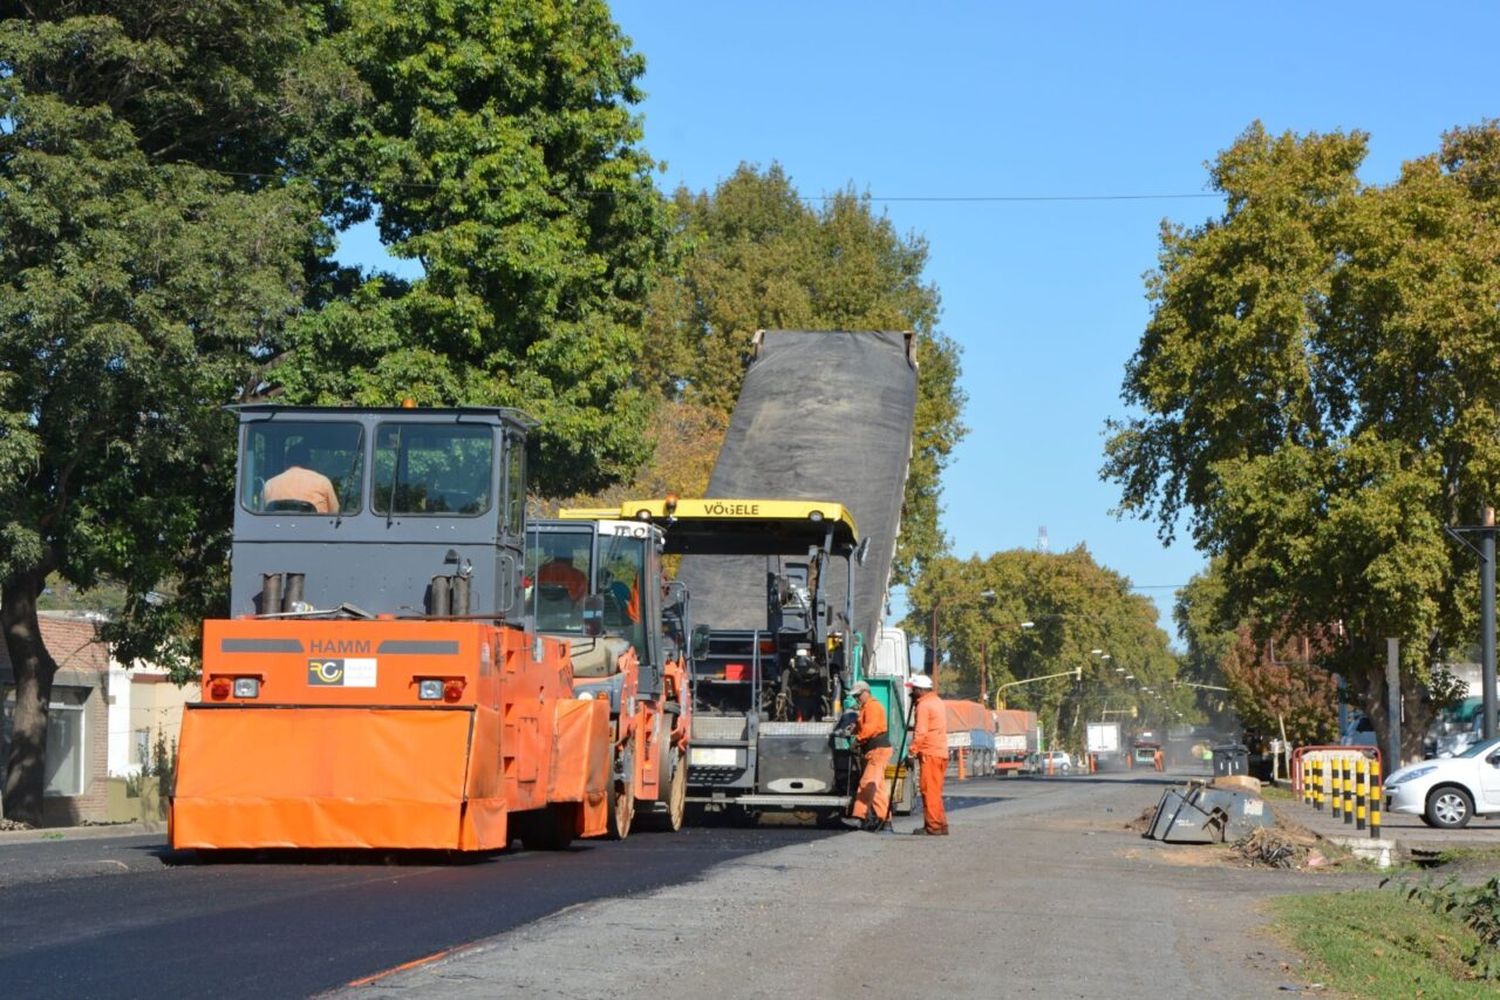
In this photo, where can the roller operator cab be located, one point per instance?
(598, 583)
(377, 684)
(768, 689)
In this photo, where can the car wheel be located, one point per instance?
(1449, 807)
(1065, 769)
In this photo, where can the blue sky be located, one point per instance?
(935, 100)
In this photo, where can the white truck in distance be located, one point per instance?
(1102, 740)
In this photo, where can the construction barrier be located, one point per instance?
(1344, 780)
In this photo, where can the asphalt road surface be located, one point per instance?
(123, 917)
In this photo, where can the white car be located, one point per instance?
(1038, 763)
(1448, 791)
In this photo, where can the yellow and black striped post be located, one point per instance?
(1307, 786)
(1318, 793)
(1337, 783)
(1376, 794)
(1346, 766)
(1361, 791)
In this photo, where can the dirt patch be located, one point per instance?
(1142, 823)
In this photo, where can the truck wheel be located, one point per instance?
(622, 796)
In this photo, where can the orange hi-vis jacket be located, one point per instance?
(931, 737)
(870, 731)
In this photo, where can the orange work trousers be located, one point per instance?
(874, 795)
(934, 816)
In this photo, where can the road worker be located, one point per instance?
(301, 483)
(929, 746)
(872, 734)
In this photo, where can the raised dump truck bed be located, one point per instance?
(827, 417)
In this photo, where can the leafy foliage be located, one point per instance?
(1319, 386)
(753, 256)
(1075, 606)
(1476, 906)
(1275, 681)
(497, 147)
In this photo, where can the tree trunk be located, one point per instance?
(1417, 714)
(34, 670)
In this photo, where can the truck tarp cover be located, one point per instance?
(1014, 722)
(823, 415)
(968, 715)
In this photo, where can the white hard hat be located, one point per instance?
(921, 682)
(860, 687)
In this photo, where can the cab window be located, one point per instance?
(558, 570)
(622, 585)
(432, 469)
(302, 467)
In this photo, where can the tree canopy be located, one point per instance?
(134, 300)
(1318, 389)
(754, 255)
(1073, 606)
(495, 144)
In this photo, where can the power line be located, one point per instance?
(957, 199)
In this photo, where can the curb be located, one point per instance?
(57, 834)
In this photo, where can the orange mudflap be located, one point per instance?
(581, 763)
(335, 778)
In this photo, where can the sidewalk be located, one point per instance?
(1407, 836)
(81, 832)
(1044, 893)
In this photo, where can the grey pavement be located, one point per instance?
(1040, 892)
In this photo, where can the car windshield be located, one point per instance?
(1480, 749)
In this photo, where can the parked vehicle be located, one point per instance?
(1449, 791)
(1103, 741)
(1047, 762)
(1017, 736)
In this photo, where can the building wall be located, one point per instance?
(78, 717)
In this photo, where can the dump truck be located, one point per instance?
(379, 682)
(823, 417)
(971, 739)
(639, 663)
(1017, 735)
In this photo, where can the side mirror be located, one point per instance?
(593, 615)
(676, 598)
(699, 646)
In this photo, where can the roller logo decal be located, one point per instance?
(346, 672)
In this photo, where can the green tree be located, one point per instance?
(139, 292)
(1275, 681)
(752, 255)
(1319, 389)
(1073, 606)
(497, 148)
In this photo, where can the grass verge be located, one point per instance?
(1377, 944)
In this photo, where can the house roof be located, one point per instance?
(73, 642)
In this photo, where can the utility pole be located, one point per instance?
(1487, 617)
(1392, 704)
(1486, 553)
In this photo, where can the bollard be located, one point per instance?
(1346, 766)
(1336, 803)
(1376, 793)
(1361, 792)
(1321, 793)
